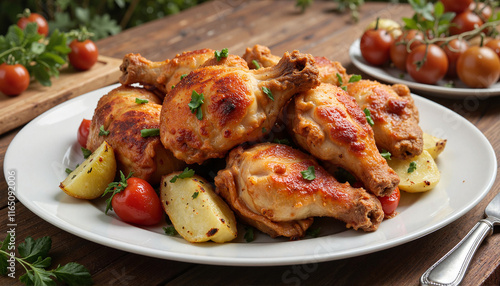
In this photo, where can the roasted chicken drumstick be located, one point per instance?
(216, 108)
(265, 187)
(329, 124)
(119, 114)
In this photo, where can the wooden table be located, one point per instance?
(237, 24)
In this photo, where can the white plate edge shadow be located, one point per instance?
(111, 232)
(383, 74)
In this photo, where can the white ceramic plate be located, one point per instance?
(394, 75)
(43, 149)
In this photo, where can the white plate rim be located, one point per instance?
(35, 196)
(383, 74)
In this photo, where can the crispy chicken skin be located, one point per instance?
(235, 108)
(118, 113)
(395, 116)
(160, 77)
(328, 70)
(329, 124)
(265, 187)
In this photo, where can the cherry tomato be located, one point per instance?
(456, 6)
(43, 26)
(432, 69)
(14, 79)
(478, 67)
(494, 45)
(391, 202)
(484, 11)
(398, 52)
(375, 45)
(453, 50)
(83, 132)
(138, 203)
(464, 22)
(83, 54)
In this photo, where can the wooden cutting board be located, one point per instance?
(16, 111)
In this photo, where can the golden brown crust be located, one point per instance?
(118, 113)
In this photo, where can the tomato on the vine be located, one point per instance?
(399, 52)
(134, 201)
(14, 79)
(494, 45)
(28, 17)
(427, 64)
(453, 50)
(478, 67)
(375, 45)
(83, 132)
(83, 54)
(390, 202)
(484, 11)
(464, 22)
(456, 6)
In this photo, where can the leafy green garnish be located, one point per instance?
(115, 188)
(187, 173)
(197, 100)
(33, 257)
(183, 76)
(313, 232)
(170, 230)
(150, 132)
(309, 174)
(86, 152)
(412, 167)
(368, 116)
(141, 101)
(256, 64)
(386, 154)
(268, 92)
(195, 195)
(221, 54)
(103, 132)
(355, 78)
(249, 234)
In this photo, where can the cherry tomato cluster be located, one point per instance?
(427, 59)
(15, 78)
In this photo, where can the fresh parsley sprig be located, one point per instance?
(115, 188)
(309, 174)
(197, 100)
(33, 257)
(221, 54)
(187, 173)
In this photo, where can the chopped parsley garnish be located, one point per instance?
(140, 100)
(187, 173)
(195, 195)
(313, 232)
(339, 78)
(249, 235)
(413, 167)
(309, 174)
(115, 188)
(68, 171)
(221, 54)
(354, 78)
(170, 230)
(368, 116)
(268, 92)
(183, 76)
(195, 104)
(103, 132)
(86, 152)
(150, 132)
(256, 64)
(283, 141)
(386, 154)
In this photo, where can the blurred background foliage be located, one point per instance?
(101, 17)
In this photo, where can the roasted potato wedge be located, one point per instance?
(434, 145)
(196, 211)
(90, 179)
(424, 176)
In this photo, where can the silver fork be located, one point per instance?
(451, 268)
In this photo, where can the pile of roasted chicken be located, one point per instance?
(311, 101)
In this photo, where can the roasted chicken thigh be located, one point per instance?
(265, 186)
(329, 124)
(216, 108)
(119, 114)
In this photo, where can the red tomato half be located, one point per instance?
(43, 26)
(138, 203)
(83, 132)
(83, 55)
(391, 202)
(14, 79)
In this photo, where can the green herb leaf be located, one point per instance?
(283, 141)
(195, 195)
(150, 132)
(221, 54)
(141, 101)
(386, 154)
(86, 152)
(68, 171)
(412, 167)
(103, 132)
(73, 274)
(249, 234)
(187, 173)
(313, 232)
(339, 79)
(183, 76)
(170, 230)
(115, 188)
(197, 100)
(31, 249)
(355, 78)
(256, 64)
(368, 116)
(309, 174)
(268, 92)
